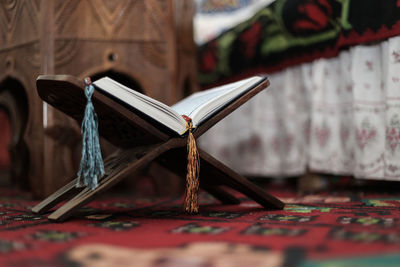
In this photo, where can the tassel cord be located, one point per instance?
(193, 171)
(91, 166)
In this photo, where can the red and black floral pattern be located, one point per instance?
(289, 32)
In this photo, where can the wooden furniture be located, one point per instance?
(146, 143)
(13, 110)
(147, 44)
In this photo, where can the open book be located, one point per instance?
(131, 121)
(199, 106)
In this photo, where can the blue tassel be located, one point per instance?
(91, 166)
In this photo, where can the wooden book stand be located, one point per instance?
(143, 143)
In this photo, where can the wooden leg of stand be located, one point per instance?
(222, 195)
(135, 159)
(218, 173)
(70, 189)
(213, 173)
(173, 162)
(55, 198)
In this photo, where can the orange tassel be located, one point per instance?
(193, 172)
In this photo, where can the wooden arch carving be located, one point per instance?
(13, 100)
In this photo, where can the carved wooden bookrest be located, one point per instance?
(143, 143)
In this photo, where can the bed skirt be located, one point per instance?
(339, 115)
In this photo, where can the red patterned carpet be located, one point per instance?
(334, 228)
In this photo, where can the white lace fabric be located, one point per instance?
(339, 116)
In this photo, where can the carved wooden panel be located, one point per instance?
(131, 37)
(20, 61)
(134, 20)
(149, 41)
(14, 29)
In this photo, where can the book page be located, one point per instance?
(203, 104)
(198, 106)
(188, 105)
(147, 105)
